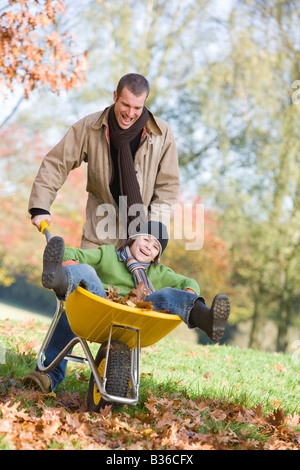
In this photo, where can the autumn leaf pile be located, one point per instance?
(163, 419)
(135, 298)
(169, 422)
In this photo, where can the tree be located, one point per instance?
(22, 247)
(209, 260)
(159, 39)
(253, 149)
(33, 53)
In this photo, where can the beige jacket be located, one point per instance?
(156, 165)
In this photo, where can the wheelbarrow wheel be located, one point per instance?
(117, 374)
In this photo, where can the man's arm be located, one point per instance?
(167, 182)
(64, 157)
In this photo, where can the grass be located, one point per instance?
(244, 376)
(170, 368)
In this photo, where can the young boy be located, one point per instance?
(137, 261)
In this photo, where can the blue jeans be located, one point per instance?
(176, 301)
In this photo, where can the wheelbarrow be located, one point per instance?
(122, 331)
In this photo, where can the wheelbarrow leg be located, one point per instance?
(57, 315)
(62, 354)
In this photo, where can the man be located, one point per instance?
(129, 153)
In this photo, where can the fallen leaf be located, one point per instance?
(218, 415)
(279, 367)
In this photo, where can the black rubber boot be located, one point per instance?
(211, 320)
(54, 276)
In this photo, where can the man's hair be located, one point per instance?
(135, 83)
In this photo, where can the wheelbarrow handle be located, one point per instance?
(46, 230)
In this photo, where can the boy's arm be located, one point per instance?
(91, 256)
(171, 279)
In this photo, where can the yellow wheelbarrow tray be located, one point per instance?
(97, 319)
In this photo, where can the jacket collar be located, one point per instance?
(151, 125)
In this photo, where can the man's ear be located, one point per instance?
(115, 96)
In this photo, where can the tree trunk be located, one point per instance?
(283, 324)
(257, 325)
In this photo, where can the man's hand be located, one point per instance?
(39, 218)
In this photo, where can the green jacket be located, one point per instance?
(114, 272)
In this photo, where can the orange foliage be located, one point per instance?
(210, 264)
(21, 248)
(31, 53)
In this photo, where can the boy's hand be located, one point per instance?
(190, 290)
(70, 261)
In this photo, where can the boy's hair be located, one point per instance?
(129, 242)
(135, 83)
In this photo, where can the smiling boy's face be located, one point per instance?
(145, 249)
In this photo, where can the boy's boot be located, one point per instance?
(211, 320)
(54, 276)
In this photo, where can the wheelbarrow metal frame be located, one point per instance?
(88, 359)
(164, 323)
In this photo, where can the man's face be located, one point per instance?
(128, 107)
